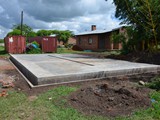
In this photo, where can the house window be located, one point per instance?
(90, 41)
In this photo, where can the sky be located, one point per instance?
(74, 15)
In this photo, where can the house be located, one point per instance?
(71, 41)
(97, 40)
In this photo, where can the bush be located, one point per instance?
(34, 42)
(34, 51)
(68, 46)
(33, 48)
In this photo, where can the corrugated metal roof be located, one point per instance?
(94, 32)
(98, 31)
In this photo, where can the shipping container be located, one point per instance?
(38, 39)
(49, 44)
(15, 44)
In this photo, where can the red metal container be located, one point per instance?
(49, 44)
(38, 39)
(15, 44)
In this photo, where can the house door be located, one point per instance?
(101, 42)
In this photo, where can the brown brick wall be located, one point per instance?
(84, 42)
(72, 40)
(109, 45)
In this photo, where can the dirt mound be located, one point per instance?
(142, 57)
(77, 48)
(110, 101)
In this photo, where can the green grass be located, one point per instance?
(66, 50)
(1, 41)
(2, 51)
(18, 107)
(155, 84)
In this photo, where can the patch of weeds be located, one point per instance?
(155, 83)
(34, 51)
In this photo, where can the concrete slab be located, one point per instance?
(62, 68)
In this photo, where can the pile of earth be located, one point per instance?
(111, 101)
(142, 57)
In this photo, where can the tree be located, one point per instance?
(61, 35)
(14, 32)
(144, 16)
(27, 31)
(43, 33)
(64, 36)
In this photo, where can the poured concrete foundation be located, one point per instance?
(62, 68)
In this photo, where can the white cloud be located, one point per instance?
(73, 15)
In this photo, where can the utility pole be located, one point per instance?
(21, 22)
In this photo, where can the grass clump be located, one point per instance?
(154, 84)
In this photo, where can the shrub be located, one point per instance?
(34, 42)
(34, 51)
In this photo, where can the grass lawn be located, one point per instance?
(1, 41)
(66, 50)
(2, 51)
(17, 106)
(52, 106)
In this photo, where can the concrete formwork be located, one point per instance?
(55, 68)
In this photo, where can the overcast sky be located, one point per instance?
(74, 15)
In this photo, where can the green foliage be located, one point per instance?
(14, 32)
(1, 41)
(27, 31)
(62, 35)
(2, 51)
(34, 51)
(43, 33)
(31, 34)
(34, 42)
(144, 16)
(155, 83)
(127, 39)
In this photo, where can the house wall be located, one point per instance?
(72, 40)
(83, 42)
(108, 43)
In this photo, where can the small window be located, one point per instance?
(90, 41)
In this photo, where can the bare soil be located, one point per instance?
(110, 99)
(114, 96)
(142, 57)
